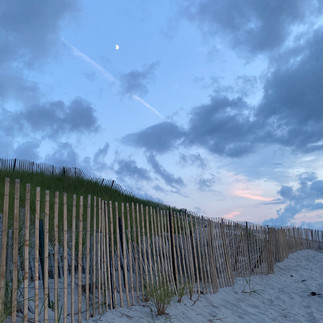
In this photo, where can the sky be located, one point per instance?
(209, 105)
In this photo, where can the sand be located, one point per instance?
(293, 294)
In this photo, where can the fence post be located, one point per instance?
(248, 247)
(4, 245)
(171, 228)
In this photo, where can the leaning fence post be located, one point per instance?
(4, 245)
(248, 247)
(172, 245)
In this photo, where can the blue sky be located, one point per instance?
(212, 106)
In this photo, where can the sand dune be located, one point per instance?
(293, 294)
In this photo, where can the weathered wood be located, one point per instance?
(140, 252)
(15, 253)
(130, 254)
(153, 250)
(99, 258)
(144, 246)
(46, 236)
(94, 260)
(26, 253)
(148, 247)
(195, 256)
(118, 254)
(4, 244)
(134, 230)
(56, 256)
(108, 251)
(124, 244)
(104, 244)
(73, 258)
(80, 260)
(36, 271)
(112, 258)
(65, 256)
(87, 271)
(179, 279)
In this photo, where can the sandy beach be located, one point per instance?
(293, 294)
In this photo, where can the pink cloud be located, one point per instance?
(251, 195)
(231, 215)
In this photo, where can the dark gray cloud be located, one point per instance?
(135, 81)
(223, 127)
(29, 31)
(306, 197)
(192, 160)
(207, 183)
(158, 138)
(128, 169)
(290, 113)
(99, 157)
(169, 178)
(57, 118)
(257, 26)
(28, 150)
(291, 109)
(63, 155)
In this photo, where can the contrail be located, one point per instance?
(86, 58)
(137, 98)
(109, 76)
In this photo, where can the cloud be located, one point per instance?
(207, 184)
(306, 197)
(63, 155)
(289, 114)
(135, 81)
(57, 118)
(222, 127)
(99, 163)
(158, 138)
(169, 178)
(29, 31)
(28, 150)
(128, 169)
(192, 160)
(252, 25)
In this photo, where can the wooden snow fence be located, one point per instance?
(69, 258)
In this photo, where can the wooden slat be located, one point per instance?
(176, 251)
(36, 272)
(65, 256)
(124, 245)
(140, 253)
(136, 249)
(148, 247)
(56, 256)
(94, 260)
(46, 226)
(73, 258)
(118, 254)
(144, 246)
(15, 253)
(26, 253)
(4, 244)
(112, 258)
(87, 271)
(195, 256)
(130, 253)
(108, 251)
(99, 259)
(80, 261)
(104, 252)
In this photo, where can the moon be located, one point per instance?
(117, 46)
